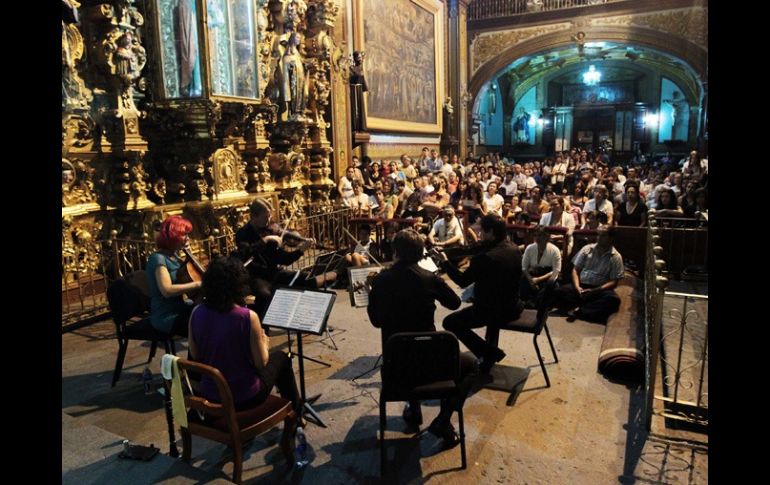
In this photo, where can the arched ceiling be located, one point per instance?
(617, 61)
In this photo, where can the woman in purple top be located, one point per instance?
(224, 334)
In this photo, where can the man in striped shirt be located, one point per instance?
(597, 270)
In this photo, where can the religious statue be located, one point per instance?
(357, 89)
(521, 126)
(678, 105)
(187, 49)
(125, 57)
(293, 80)
(448, 116)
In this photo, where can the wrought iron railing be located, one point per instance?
(485, 9)
(676, 333)
(85, 277)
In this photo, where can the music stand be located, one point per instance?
(301, 311)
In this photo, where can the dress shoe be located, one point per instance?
(412, 417)
(491, 359)
(444, 430)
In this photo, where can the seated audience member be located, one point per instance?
(228, 336)
(700, 205)
(519, 236)
(447, 231)
(600, 203)
(540, 267)
(594, 219)
(666, 204)
(415, 210)
(360, 202)
(493, 202)
(632, 212)
(559, 217)
(359, 255)
(382, 208)
(169, 311)
(596, 271)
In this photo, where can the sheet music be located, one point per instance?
(304, 311)
(310, 312)
(359, 296)
(282, 308)
(427, 263)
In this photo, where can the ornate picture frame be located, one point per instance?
(402, 96)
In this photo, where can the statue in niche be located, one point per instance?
(125, 58)
(357, 89)
(448, 116)
(187, 49)
(521, 126)
(678, 105)
(293, 80)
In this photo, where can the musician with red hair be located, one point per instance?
(169, 312)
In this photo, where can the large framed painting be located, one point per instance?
(403, 43)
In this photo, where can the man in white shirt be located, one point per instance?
(509, 185)
(600, 203)
(447, 231)
(540, 267)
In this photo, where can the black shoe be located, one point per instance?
(572, 316)
(444, 430)
(412, 417)
(491, 359)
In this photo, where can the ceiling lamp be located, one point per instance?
(591, 77)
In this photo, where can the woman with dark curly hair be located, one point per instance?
(225, 334)
(667, 205)
(169, 311)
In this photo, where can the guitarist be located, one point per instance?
(169, 311)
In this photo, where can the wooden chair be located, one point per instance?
(420, 366)
(223, 424)
(129, 302)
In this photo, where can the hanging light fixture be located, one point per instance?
(591, 77)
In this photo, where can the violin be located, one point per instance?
(284, 237)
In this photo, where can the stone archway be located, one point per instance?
(693, 55)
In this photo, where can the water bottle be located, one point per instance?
(147, 380)
(300, 451)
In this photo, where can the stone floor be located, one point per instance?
(583, 429)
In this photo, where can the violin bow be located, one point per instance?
(359, 242)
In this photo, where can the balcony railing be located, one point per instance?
(486, 9)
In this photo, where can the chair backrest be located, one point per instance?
(225, 408)
(415, 358)
(126, 299)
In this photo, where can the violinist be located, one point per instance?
(495, 272)
(263, 242)
(169, 310)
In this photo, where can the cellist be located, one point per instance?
(169, 311)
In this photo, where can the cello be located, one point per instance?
(191, 270)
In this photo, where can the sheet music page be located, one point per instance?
(427, 264)
(311, 310)
(359, 294)
(282, 308)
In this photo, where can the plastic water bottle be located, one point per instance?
(300, 451)
(147, 380)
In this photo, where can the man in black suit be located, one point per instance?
(403, 299)
(495, 273)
